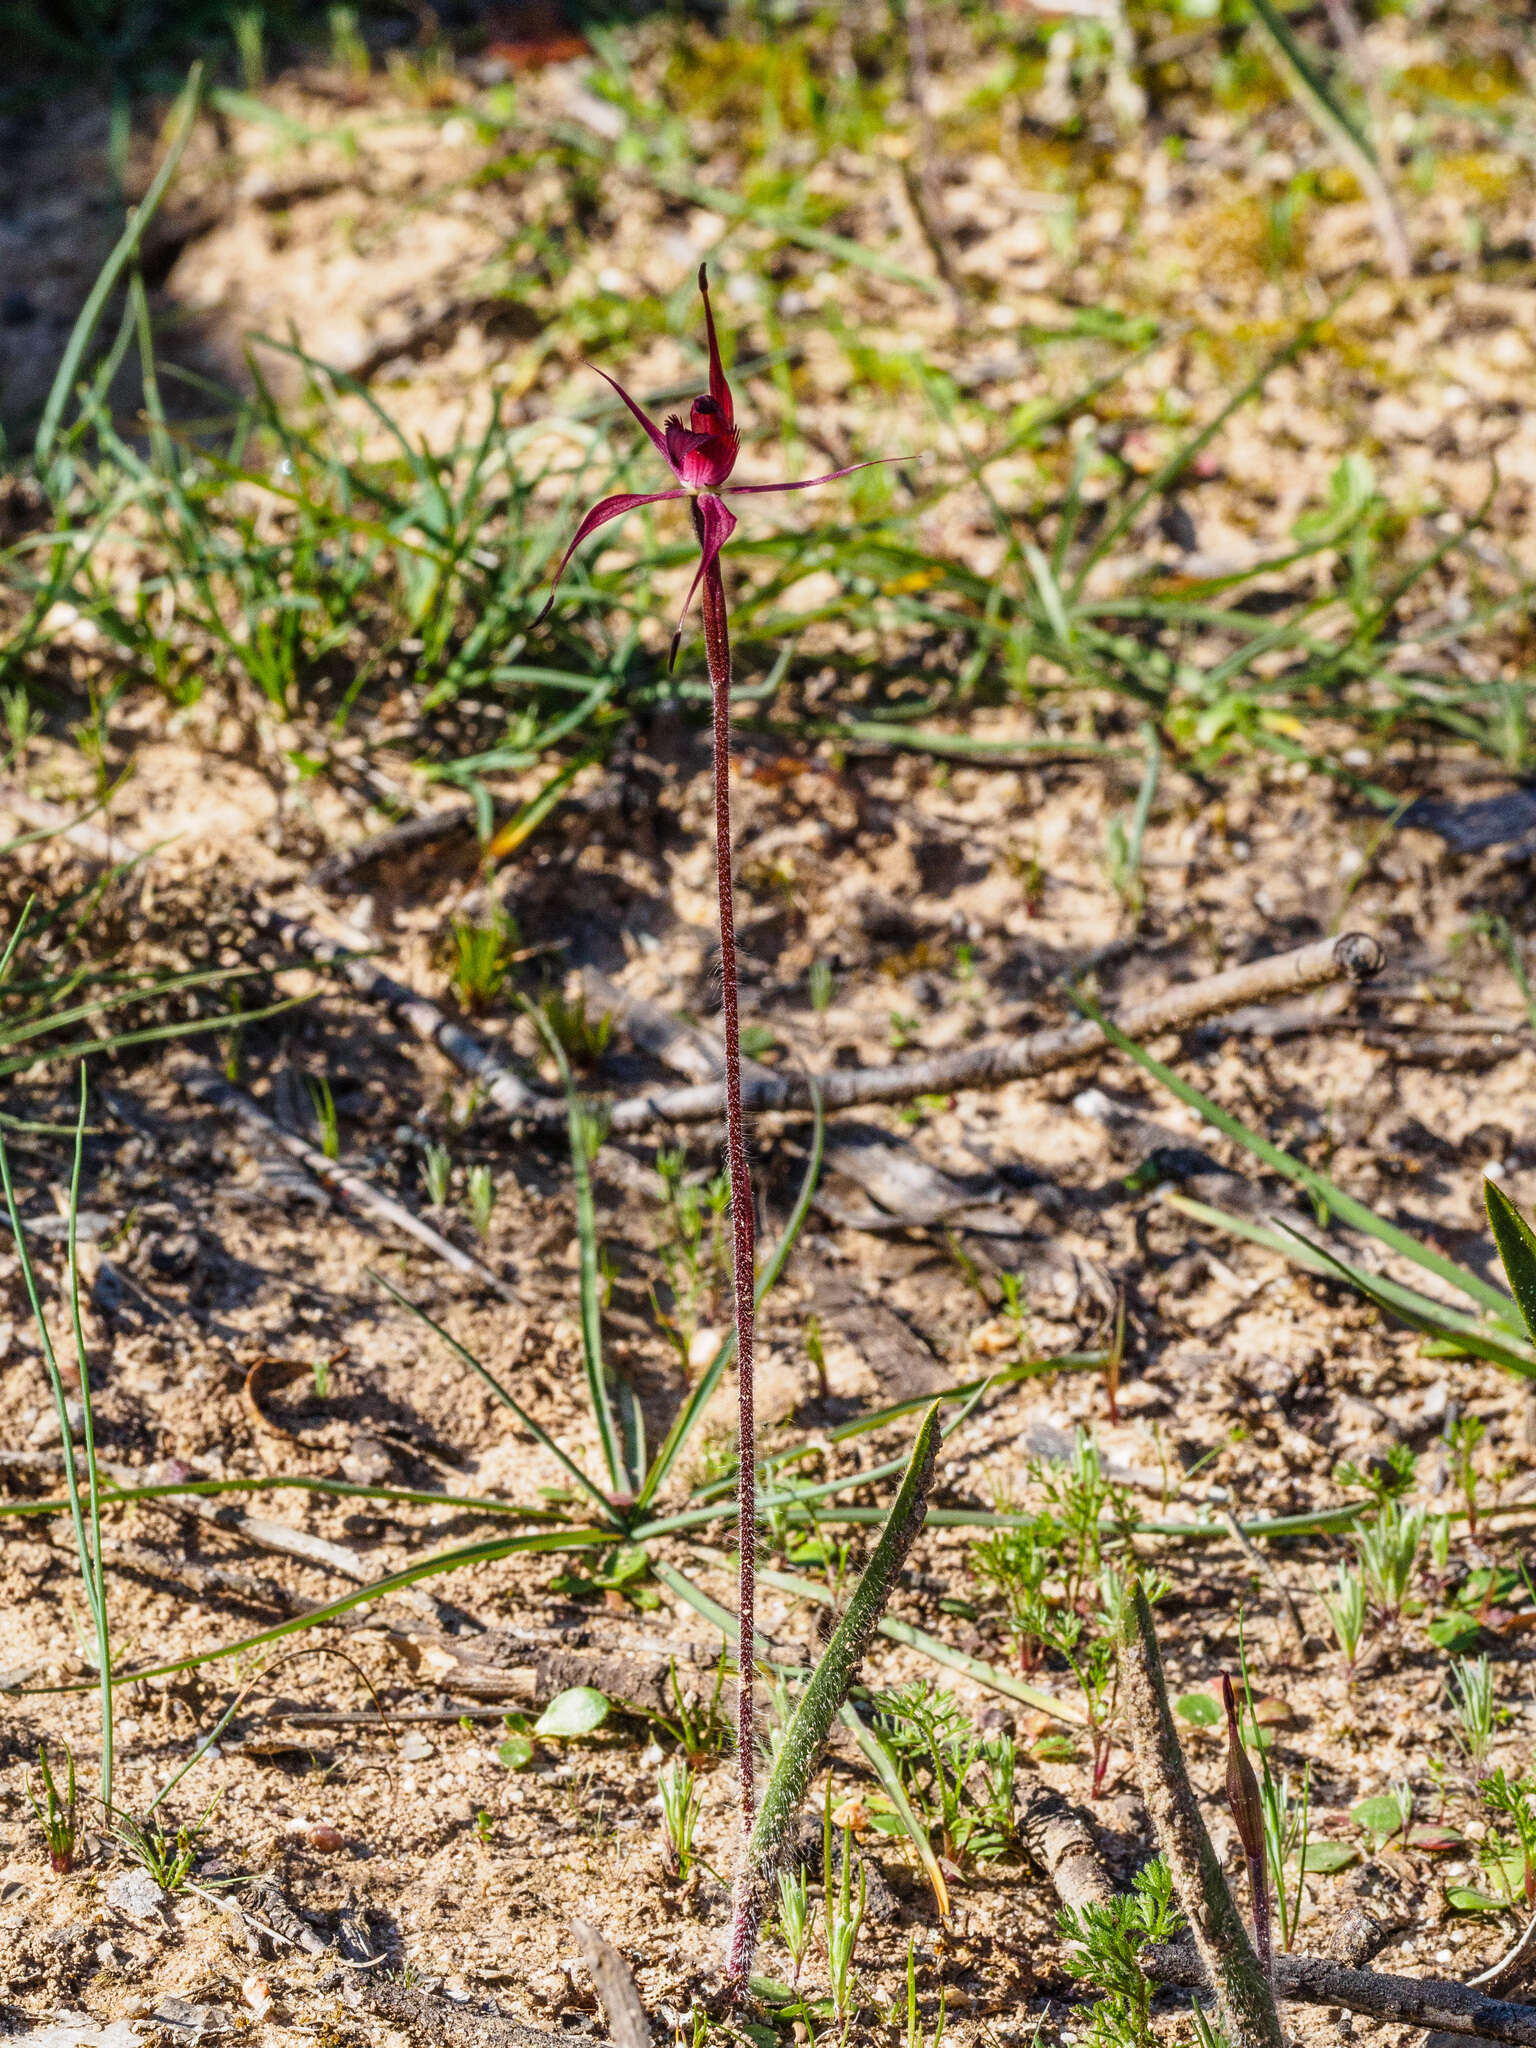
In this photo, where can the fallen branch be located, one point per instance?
(468, 1052)
(1244, 2000)
(1059, 1839)
(1355, 956)
(1409, 2001)
(205, 1084)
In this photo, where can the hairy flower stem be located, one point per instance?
(717, 644)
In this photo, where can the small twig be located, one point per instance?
(205, 1084)
(1059, 1838)
(615, 1987)
(1509, 1964)
(428, 828)
(1265, 1567)
(467, 1051)
(1354, 956)
(1408, 2001)
(1245, 2003)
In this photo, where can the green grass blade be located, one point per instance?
(90, 314)
(883, 1764)
(1476, 1342)
(687, 1416)
(623, 1480)
(932, 1646)
(552, 1540)
(116, 1495)
(1306, 1253)
(1517, 1248)
(1187, 451)
(568, 1465)
(89, 1558)
(96, 1577)
(1333, 1198)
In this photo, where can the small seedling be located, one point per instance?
(436, 1168)
(935, 1747)
(843, 1916)
(1387, 1552)
(914, 2035)
(1476, 1712)
(582, 1038)
(324, 1106)
(168, 1858)
(56, 1816)
(1461, 1442)
(815, 1351)
(1104, 1945)
(483, 1826)
(322, 1377)
(1510, 1857)
(482, 957)
(1346, 1612)
(680, 1805)
(692, 1252)
(698, 1730)
(480, 1196)
(797, 1916)
(821, 986)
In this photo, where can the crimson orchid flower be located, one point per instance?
(701, 456)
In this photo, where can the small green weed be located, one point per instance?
(55, 1814)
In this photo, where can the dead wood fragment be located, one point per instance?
(615, 1987)
(495, 1666)
(205, 1084)
(467, 1051)
(203, 1581)
(442, 2020)
(1059, 1838)
(430, 828)
(1244, 2001)
(1408, 2001)
(1355, 956)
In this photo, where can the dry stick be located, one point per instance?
(717, 645)
(467, 1051)
(1059, 1839)
(1265, 1566)
(1355, 956)
(1409, 2001)
(205, 1084)
(1244, 2001)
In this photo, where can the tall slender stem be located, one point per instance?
(717, 644)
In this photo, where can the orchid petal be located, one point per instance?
(600, 514)
(657, 437)
(716, 523)
(719, 390)
(810, 482)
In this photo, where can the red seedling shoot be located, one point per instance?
(701, 456)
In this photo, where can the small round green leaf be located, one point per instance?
(1382, 1815)
(1323, 1858)
(576, 1711)
(516, 1752)
(1466, 1900)
(1198, 1708)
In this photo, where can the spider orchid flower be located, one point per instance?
(701, 456)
